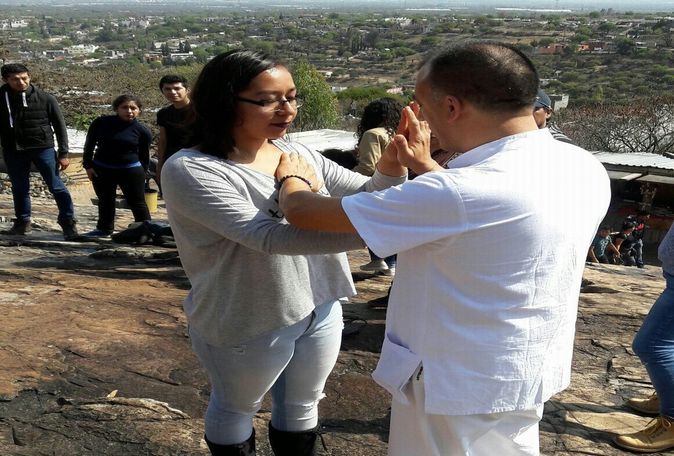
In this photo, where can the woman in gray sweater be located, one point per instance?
(264, 309)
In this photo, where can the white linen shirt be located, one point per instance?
(490, 258)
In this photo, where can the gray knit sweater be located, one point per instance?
(251, 272)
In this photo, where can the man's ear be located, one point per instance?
(454, 107)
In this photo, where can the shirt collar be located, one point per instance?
(485, 151)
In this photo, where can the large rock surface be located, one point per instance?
(95, 358)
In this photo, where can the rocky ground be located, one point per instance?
(95, 360)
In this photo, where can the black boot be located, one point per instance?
(69, 230)
(21, 227)
(286, 443)
(246, 448)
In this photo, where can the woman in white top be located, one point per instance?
(264, 309)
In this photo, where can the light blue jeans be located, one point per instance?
(293, 362)
(654, 344)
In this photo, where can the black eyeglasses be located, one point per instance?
(274, 105)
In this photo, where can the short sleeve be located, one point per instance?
(418, 212)
(161, 118)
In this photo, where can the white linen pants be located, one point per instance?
(413, 432)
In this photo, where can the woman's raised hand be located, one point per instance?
(295, 165)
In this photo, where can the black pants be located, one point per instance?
(132, 183)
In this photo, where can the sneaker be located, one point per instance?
(648, 406)
(657, 436)
(99, 234)
(20, 227)
(391, 271)
(69, 230)
(375, 266)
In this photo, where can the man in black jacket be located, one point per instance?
(29, 118)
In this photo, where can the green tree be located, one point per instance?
(354, 99)
(579, 38)
(584, 30)
(320, 104)
(105, 35)
(606, 27)
(201, 55)
(624, 46)
(165, 50)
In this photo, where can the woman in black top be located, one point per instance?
(117, 152)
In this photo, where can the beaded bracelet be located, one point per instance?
(286, 177)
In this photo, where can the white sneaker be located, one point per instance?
(375, 266)
(391, 271)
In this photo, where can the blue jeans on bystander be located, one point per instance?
(654, 344)
(18, 167)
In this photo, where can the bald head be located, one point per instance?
(492, 76)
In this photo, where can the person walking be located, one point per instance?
(29, 118)
(264, 309)
(117, 153)
(654, 345)
(480, 323)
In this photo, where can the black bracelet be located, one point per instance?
(286, 177)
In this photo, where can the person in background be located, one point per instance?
(347, 159)
(624, 241)
(375, 130)
(639, 220)
(29, 118)
(172, 120)
(264, 310)
(543, 113)
(117, 153)
(481, 320)
(654, 345)
(601, 243)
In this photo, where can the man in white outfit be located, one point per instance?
(481, 319)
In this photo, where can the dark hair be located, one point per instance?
(605, 228)
(494, 76)
(213, 99)
(172, 79)
(344, 158)
(384, 112)
(628, 225)
(120, 100)
(12, 68)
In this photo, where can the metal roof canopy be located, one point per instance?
(623, 175)
(320, 140)
(656, 179)
(639, 160)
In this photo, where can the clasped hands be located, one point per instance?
(409, 148)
